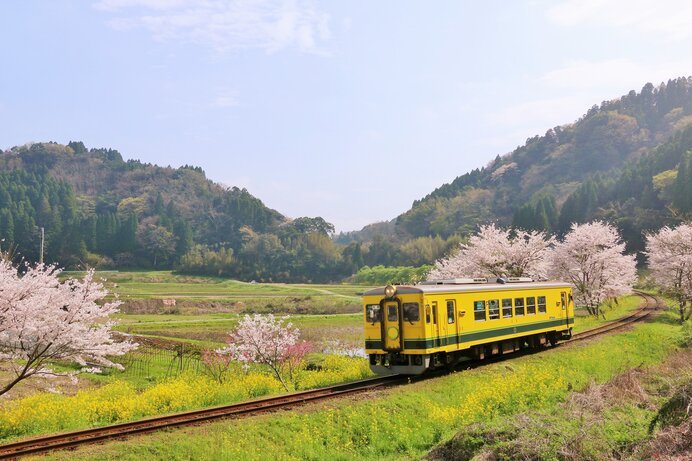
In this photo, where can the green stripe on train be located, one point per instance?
(471, 337)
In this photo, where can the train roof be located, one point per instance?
(467, 288)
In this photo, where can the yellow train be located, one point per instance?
(410, 329)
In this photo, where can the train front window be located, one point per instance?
(373, 313)
(506, 308)
(518, 306)
(450, 312)
(391, 313)
(494, 309)
(411, 312)
(541, 305)
(479, 311)
(531, 305)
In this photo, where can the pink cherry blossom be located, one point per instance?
(43, 320)
(591, 257)
(499, 253)
(264, 339)
(670, 260)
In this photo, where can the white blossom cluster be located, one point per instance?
(590, 257)
(670, 261)
(496, 252)
(43, 320)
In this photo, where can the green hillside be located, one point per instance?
(626, 161)
(100, 210)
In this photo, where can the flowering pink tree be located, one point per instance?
(216, 364)
(43, 320)
(266, 340)
(592, 258)
(496, 252)
(670, 261)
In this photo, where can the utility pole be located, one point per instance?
(43, 235)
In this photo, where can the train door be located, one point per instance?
(563, 305)
(453, 325)
(391, 325)
(435, 325)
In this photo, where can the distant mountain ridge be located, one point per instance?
(627, 161)
(96, 192)
(539, 184)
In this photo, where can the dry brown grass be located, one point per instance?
(571, 431)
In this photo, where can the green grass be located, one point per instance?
(157, 284)
(213, 328)
(602, 420)
(406, 422)
(120, 401)
(142, 293)
(625, 306)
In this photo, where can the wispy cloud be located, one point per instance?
(671, 19)
(225, 25)
(225, 99)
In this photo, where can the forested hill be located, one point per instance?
(626, 161)
(100, 210)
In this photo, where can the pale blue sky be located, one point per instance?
(347, 110)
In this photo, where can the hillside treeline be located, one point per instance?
(626, 161)
(101, 211)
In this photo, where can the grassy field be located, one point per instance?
(165, 283)
(407, 422)
(144, 292)
(213, 328)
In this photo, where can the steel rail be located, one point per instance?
(652, 304)
(72, 439)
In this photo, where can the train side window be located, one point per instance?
(391, 313)
(518, 306)
(427, 313)
(411, 312)
(479, 311)
(450, 312)
(434, 313)
(373, 313)
(494, 309)
(541, 305)
(506, 308)
(530, 305)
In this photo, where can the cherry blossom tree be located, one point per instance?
(670, 261)
(266, 340)
(217, 365)
(500, 253)
(591, 257)
(44, 320)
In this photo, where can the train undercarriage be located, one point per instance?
(416, 364)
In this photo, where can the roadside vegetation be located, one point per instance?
(120, 401)
(408, 422)
(641, 414)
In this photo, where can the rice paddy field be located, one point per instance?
(590, 400)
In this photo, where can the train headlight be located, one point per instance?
(389, 291)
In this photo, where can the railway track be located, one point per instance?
(652, 304)
(73, 439)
